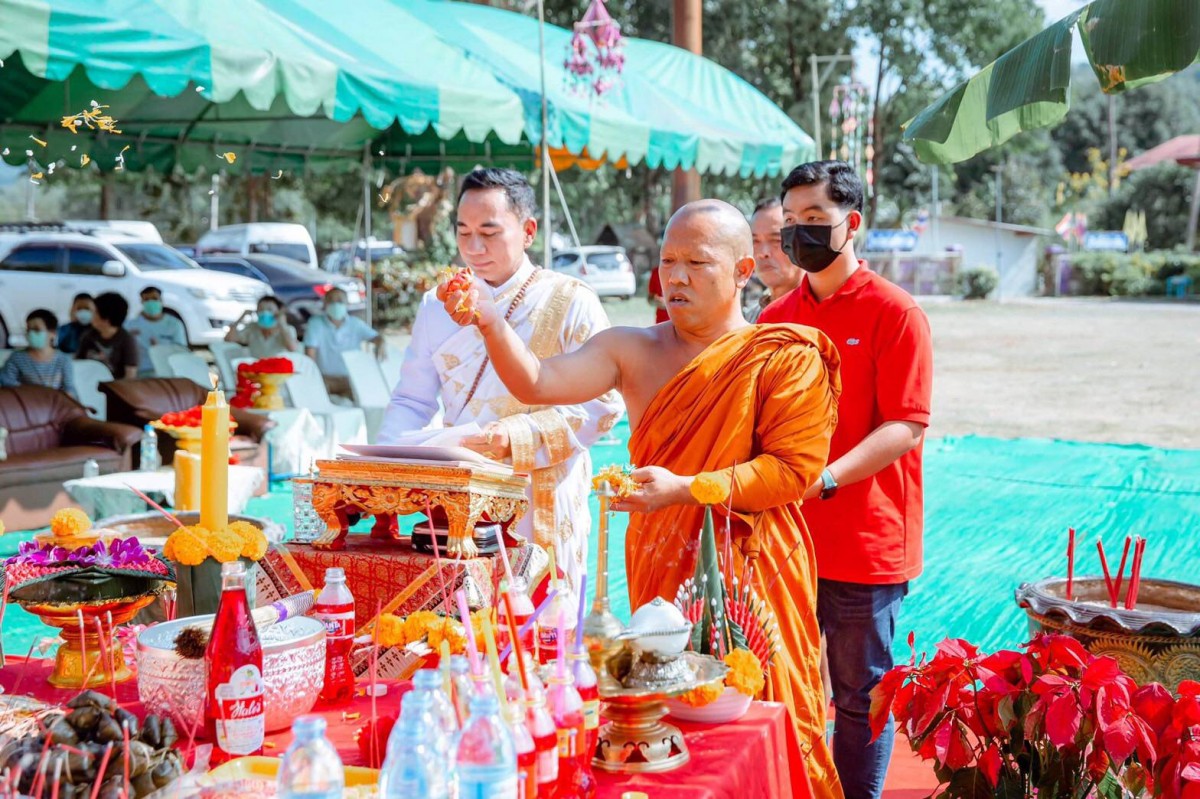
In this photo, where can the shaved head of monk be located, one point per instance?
(705, 262)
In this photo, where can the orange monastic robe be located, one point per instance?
(762, 402)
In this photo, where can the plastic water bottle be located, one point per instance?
(148, 451)
(487, 759)
(311, 768)
(461, 687)
(419, 706)
(430, 681)
(411, 769)
(91, 468)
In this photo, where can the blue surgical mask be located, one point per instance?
(152, 307)
(337, 311)
(83, 316)
(266, 319)
(37, 338)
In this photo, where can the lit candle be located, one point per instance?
(214, 461)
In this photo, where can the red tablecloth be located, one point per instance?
(755, 757)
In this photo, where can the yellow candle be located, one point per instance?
(187, 480)
(214, 461)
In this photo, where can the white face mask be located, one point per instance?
(337, 311)
(83, 316)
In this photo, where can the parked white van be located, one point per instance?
(116, 228)
(46, 269)
(276, 238)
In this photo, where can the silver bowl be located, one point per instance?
(293, 670)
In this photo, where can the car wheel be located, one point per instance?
(187, 338)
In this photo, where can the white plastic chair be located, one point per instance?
(303, 364)
(343, 425)
(193, 367)
(160, 358)
(4, 356)
(88, 377)
(369, 388)
(224, 354)
(390, 366)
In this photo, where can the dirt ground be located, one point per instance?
(1080, 369)
(1088, 370)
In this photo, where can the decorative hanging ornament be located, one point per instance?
(596, 53)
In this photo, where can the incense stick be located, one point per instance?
(578, 648)
(1112, 597)
(1121, 570)
(447, 608)
(528, 625)
(374, 683)
(464, 613)
(1070, 563)
(515, 641)
(155, 505)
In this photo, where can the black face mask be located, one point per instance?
(807, 246)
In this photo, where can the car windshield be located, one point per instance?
(297, 252)
(156, 256)
(606, 260)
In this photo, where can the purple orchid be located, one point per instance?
(118, 554)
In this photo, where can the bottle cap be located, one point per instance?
(335, 573)
(308, 727)
(232, 568)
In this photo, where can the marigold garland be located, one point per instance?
(745, 672)
(710, 488)
(70, 522)
(189, 546)
(703, 695)
(617, 478)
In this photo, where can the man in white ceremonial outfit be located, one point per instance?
(552, 313)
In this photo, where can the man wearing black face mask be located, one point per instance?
(865, 512)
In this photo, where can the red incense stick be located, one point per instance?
(1121, 570)
(1070, 563)
(1108, 582)
(1135, 578)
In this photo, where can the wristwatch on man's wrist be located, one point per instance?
(829, 486)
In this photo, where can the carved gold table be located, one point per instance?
(466, 494)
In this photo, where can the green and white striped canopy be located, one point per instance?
(291, 84)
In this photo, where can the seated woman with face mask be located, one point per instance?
(265, 333)
(40, 364)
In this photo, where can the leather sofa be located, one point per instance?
(50, 438)
(139, 401)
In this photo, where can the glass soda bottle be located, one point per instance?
(561, 611)
(311, 768)
(589, 693)
(567, 710)
(487, 760)
(540, 724)
(522, 610)
(234, 708)
(411, 768)
(523, 743)
(335, 609)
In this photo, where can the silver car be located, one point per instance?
(606, 269)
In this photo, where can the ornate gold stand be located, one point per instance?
(601, 627)
(385, 490)
(635, 739)
(70, 665)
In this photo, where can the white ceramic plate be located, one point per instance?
(730, 706)
(418, 453)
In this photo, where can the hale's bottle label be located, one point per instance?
(241, 712)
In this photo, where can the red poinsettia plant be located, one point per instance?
(1050, 721)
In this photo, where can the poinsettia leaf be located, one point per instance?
(1063, 718)
(990, 763)
(970, 783)
(958, 648)
(960, 754)
(1110, 787)
(883, 696)
(1120, 740)
(1190, 772)
(928, 705)
(1188, 688)
(1101, 671)
(1005, 712)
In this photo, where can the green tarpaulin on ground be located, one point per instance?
(292, 84)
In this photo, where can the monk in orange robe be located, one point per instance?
(706, 392)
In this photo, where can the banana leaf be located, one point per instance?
(1128, 43)
(710, 589)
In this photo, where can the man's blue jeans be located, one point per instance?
(859, 622)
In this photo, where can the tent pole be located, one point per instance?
(545, 144)
(1194, 215)
(367, 231)
(562, 200)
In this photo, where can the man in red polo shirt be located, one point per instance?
(865, 513)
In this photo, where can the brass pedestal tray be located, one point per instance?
(635, 739)
(466, 493)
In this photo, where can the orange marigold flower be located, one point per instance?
(703, 695)
(745, 672)
(69, 522)
(710, 488)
